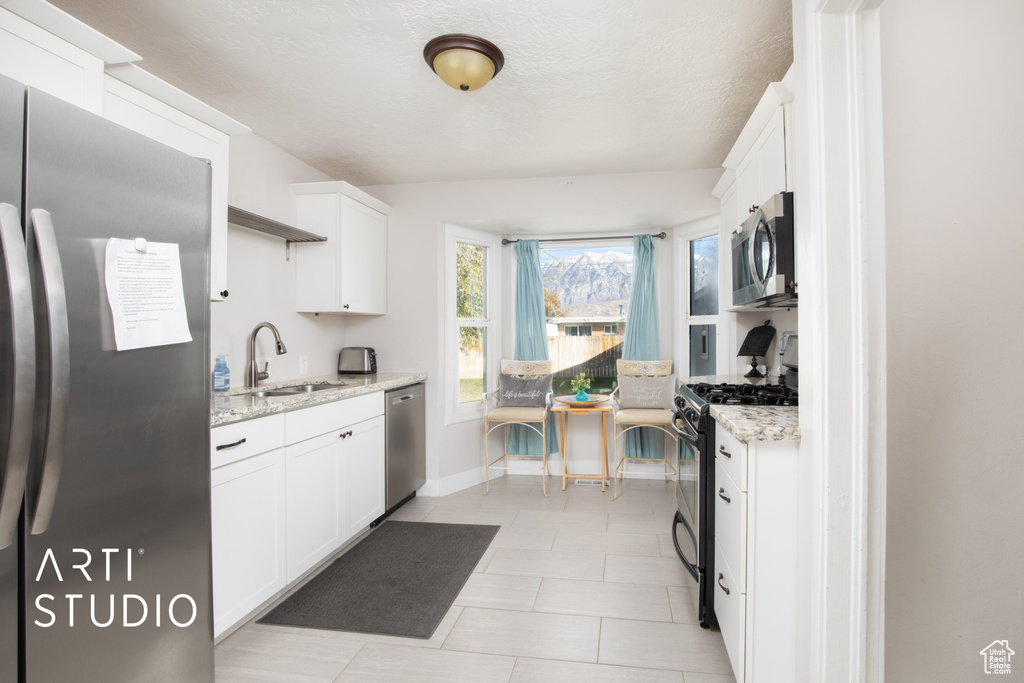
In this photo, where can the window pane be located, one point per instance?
(472, 363)
(704, 276)
(470, 293)
(589, 287)
(702, 350)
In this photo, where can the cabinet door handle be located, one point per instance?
(722, 585)
(345, 307)
(721, 494)
(231, 445)
(721, 449)
(345, 435)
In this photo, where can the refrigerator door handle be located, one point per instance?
(22, 383)
(55, 300)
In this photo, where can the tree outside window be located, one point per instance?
(471, 319)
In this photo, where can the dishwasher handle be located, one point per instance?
(405, 397)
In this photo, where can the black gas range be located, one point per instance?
(693, 526)
(740, 394)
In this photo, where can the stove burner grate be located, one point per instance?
(745, 394)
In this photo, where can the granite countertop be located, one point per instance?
(753, 423)
(759, 423)
(235, 405)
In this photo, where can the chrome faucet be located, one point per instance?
(253, 374)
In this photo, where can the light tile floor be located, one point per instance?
(575, 587)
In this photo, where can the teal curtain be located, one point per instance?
(641, 339)
(531, 339)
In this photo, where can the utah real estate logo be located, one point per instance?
(997, 657)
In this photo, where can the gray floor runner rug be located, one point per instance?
(399, 581)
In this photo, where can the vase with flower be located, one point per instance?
(580, 383)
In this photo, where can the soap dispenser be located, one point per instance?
(221, 375)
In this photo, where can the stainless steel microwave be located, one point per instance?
(763, 256)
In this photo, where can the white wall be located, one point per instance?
(260, 281)
(410, 336)
(954, 141)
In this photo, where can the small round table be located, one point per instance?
(568, 405)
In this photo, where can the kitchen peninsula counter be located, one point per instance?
(238, 404)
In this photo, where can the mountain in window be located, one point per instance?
(589, 283)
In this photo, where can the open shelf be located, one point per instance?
(247, 219)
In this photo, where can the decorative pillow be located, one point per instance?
(516, 392)
(646, 392)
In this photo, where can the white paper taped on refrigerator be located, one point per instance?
(144, 288)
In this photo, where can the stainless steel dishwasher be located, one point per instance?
(406, 443)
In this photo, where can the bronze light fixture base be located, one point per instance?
(462, 61)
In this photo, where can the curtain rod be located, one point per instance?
(660, 236)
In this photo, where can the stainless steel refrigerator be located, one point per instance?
(105, 499)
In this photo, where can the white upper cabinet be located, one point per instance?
(773, 175)
(141, 102)
(72, 61)
(759, 164)
(348, 272)
(38, 58)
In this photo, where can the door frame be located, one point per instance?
(839, 191)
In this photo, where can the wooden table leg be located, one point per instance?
(604, 449)
(563, 420)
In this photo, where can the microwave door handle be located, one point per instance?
(21, 378)
(751, 249)
(59, 351)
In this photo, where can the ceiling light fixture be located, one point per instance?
(463, 61)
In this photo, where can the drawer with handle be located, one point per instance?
(731, 524)
(731, 612)
(239, 440)
(732, 453)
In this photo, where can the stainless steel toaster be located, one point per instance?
(357, 360)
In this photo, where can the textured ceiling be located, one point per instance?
(589, 86)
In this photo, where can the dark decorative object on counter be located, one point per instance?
(756, 344)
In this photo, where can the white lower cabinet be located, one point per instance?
(755, 552)
(731, 612)
(287, 492)
(314, 501)
(247, 505)
(362, 475)
(335, 478)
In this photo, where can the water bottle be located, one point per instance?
(221, 375)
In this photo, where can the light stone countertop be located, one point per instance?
(759, 423)
(753, 423)
(235, 405)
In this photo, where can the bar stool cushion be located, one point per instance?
(642, 416)
(518, 414)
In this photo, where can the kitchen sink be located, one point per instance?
(300, 388)
(293, 390)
